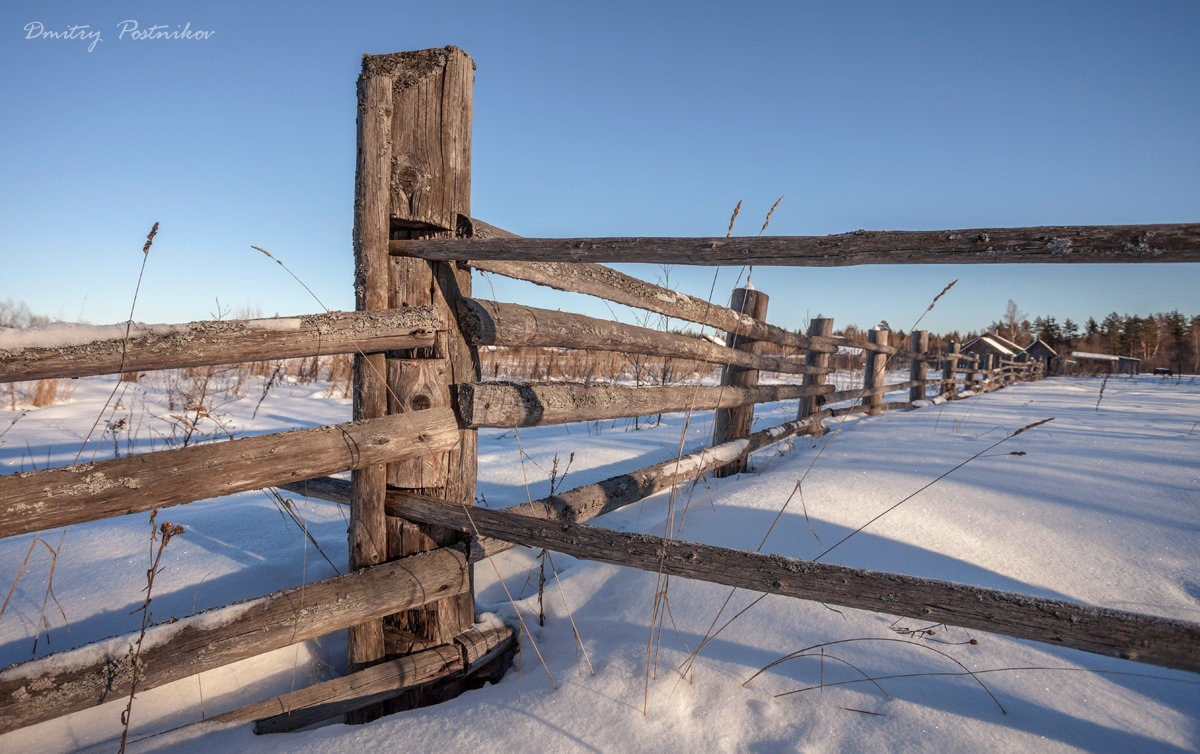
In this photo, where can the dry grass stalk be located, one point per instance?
(167, 531)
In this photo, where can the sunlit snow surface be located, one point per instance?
(1104, 508)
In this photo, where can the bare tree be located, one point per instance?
(1015, 321)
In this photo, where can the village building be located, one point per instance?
(1103, 363)
(993, 344)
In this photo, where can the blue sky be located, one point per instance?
(597, 119)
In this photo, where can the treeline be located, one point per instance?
(1162, 339)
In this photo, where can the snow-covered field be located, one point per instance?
(1103, 508)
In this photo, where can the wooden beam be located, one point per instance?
(605, 282)
(493, 323)
(38, 500)
(104, 350)
(367, 533)
(734, 423)
(592, 500)
(818, 327)
(70, 681)
(431, 178)
(1115, 633)
(503, 404)
(1049, 244)
(470, 651)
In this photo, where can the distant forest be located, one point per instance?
(1163, 339)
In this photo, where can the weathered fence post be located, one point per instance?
(918, 343)
(873, 372)
(735, 423)
(950, 371)
(415, 178)
(819, 327)
(368, 528)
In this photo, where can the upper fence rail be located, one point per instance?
(1055, 244)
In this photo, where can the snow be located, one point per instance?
(1102, 508)
(66, 335)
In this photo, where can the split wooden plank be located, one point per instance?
(210, 343)
(1115, 633)
(500, 404)
(77, 679)
(1057, 244)
(493, 323)
(38, 500)
(431, 185)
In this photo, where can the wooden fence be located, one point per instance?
(418, 400)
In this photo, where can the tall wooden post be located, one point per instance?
(950, 371)
(736, 423)
(414, 181)
(873, 373)
(368, 530)
(821, 326)
(918, 341)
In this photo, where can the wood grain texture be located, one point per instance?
(493, 323)
(73, 680)
(1049, 244)
(605, 282)
(430, 188)
(734, 422)
(1115, 633)
(508, 405)
(430, 135)
(592, 500)
(819, 327)
(368, 525)
(40, 500)
(225, 342)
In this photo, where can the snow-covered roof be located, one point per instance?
(995, 342)
(1096, 356)
(1044, 345)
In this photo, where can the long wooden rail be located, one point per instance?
(37, 500)
(493, 323)
(80, 678)
(1116, 633)
(1056, 244)
(106, 350)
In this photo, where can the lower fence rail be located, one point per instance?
(74, 680)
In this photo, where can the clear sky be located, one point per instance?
(601, 119)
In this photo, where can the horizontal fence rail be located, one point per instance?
(37, 500)
(104, 350)
(494, 323)
(507, 405)
(592, 500)
(77, 679)
(1049, 244)
(1115, 633)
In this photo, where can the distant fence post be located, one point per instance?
(950, 371)
(970, 363)
(819, 327)
(918, 343)
(873, 372)
(414, 182)
(735, 423)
